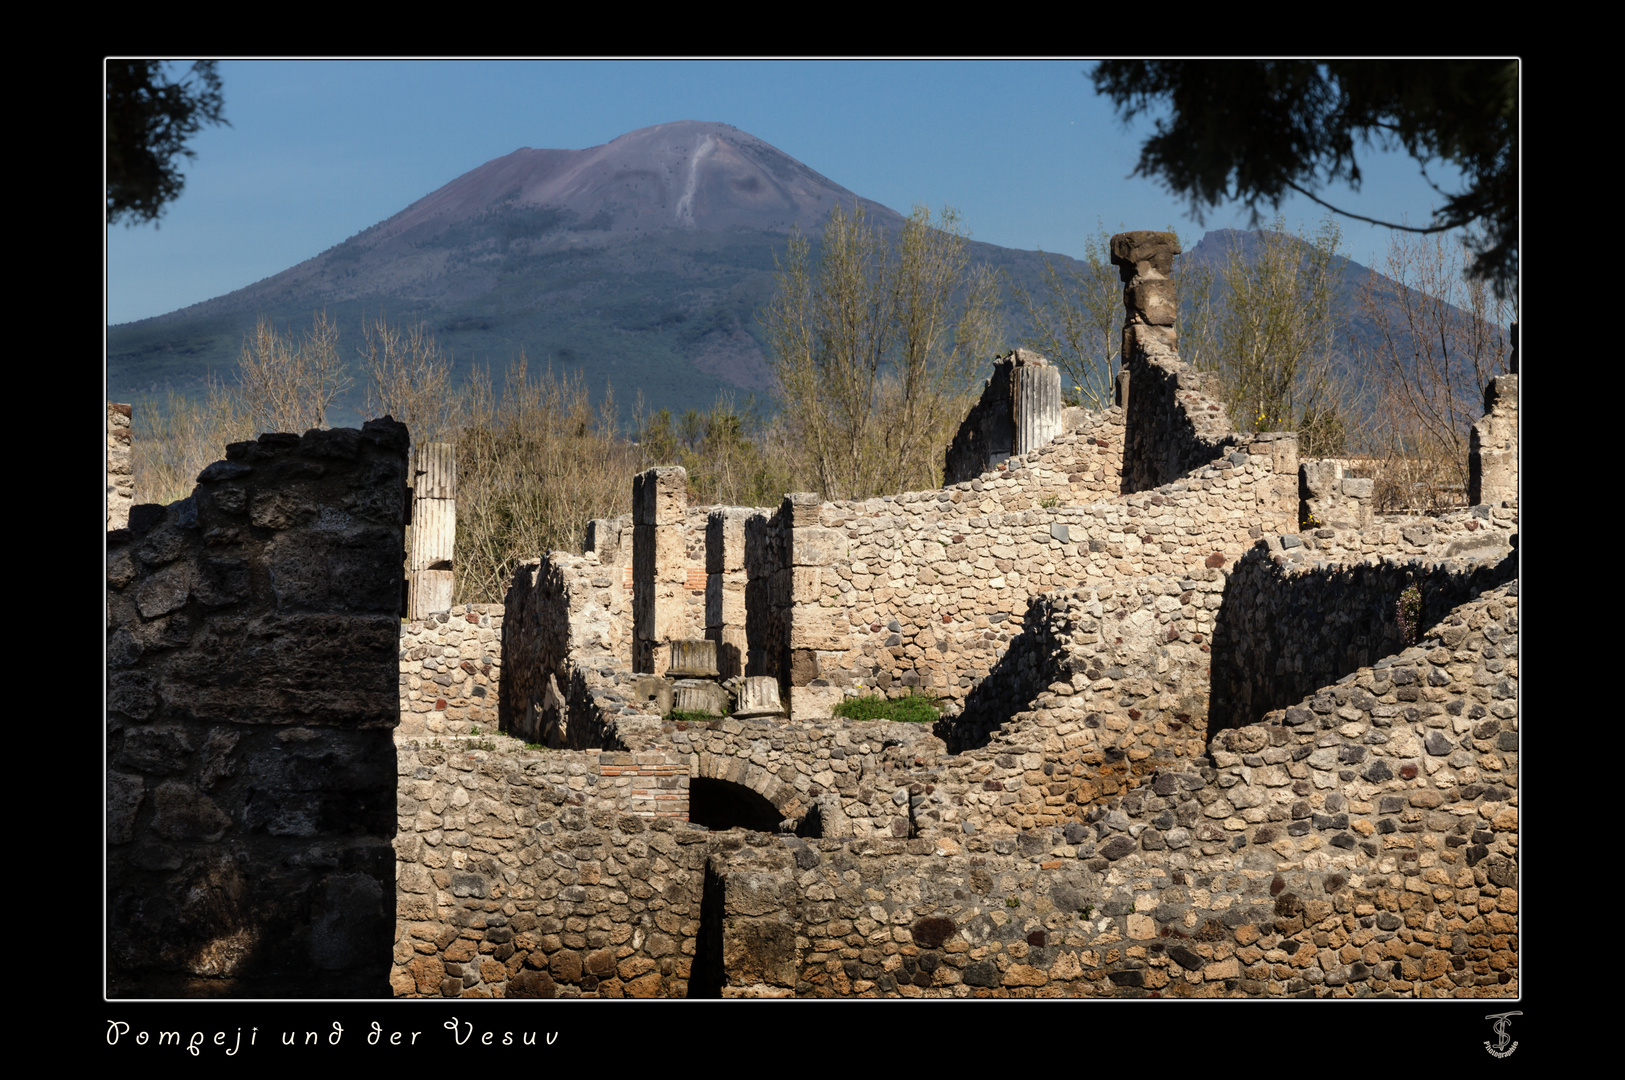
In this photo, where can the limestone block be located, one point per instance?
(814, 702)
(817, 546)
(660, 496)
(732, 647)
(429, 591)
(759, 696)
(658, 554)
(725, 599)
(801, 508)
(825, 629)
(725, 539)
(604, 540)
(693, 658)
(806, 584)
(697, 695)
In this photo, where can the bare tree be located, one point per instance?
(874, 350)
(284, 385)
(1268, 336)
(409, 378)
(1078, 324)
(1441, 336)
(535, 463)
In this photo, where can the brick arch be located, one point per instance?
(734, 770)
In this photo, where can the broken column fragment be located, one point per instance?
(1019, 411)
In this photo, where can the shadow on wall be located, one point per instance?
(1026, 667)
(252, 690)
(1281, 635)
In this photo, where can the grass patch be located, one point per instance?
(914, 709)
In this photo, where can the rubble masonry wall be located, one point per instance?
(253, 667)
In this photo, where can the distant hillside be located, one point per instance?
(642, 263)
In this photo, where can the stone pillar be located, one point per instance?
(1492, 446)
(434, 529)
(659, 572)
(120, 478)
(767, 599)
(604, 540)
(814, 627)
(725, 587)
(1020, 410)
(1144, 260)
(1035, 401)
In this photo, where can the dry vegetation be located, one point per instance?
(877, 348)
(536, 461)
(1442, 337)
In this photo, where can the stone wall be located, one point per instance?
(567, 678)
(1331, 495)
(525, 875)
(1019, 411)
(1292, 621)
(120, 476)
(1361, 843)
(923, 592)
(451, 669)
(253, 664)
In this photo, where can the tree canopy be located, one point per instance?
(1254, 129)
(149, 119)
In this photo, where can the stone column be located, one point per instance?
(434, 529)
(725, 587)
(814, 628)
(1035, 401)
(659, 572)
(120, 478)
(1492, 446)
(1020, 410)
(1144, 261)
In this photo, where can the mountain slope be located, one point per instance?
(642, 261)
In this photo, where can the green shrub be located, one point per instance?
(914, 709)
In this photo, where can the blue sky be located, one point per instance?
(318, 150)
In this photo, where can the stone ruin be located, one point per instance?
(1185, 750)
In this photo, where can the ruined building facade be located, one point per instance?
(1186, 748)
